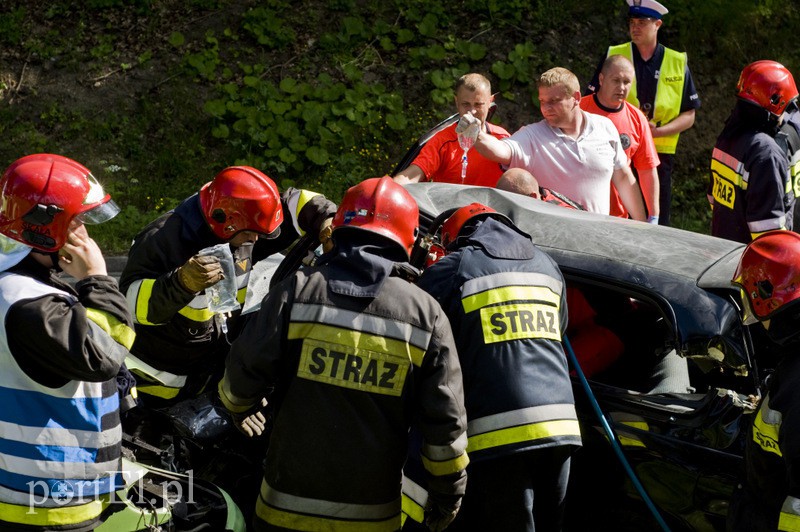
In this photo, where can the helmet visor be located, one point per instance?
(748, 315)
(99, 214)
(11, 252)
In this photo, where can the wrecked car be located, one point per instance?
(681, 378)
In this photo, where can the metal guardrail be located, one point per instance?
(115, 265)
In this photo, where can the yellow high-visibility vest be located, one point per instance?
(669, 91)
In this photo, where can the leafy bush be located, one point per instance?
(323, 94)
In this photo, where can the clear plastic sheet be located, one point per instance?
(222, 296)
(200, 418)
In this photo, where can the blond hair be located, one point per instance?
(560, 76)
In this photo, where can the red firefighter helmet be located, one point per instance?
(453, 225)
(41, 194)
(767, 84)
(381, 206)
(241, 198)
(769, 274)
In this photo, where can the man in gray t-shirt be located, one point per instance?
(572, 152)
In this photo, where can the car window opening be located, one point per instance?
(624, 341)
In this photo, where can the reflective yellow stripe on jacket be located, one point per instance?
(303, 513)
(355, 350)
(790, 515)
(794, 173)
(349, 349)
(515, 305)
(140, 292)
(138, 296)
(766, 427)
(415, 497)
(52, 517)
(369, 353)
(729, 175)
(533, 423)
(117, 330)
(443, 460)
(669, 91)
(296, 203)
(153, 381)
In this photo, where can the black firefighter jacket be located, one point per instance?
(175, 336)
(507, 305)
(770, 498)
(357, 356)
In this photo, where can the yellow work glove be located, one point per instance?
(200, 272)
(325, 235)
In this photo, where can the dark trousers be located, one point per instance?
(665, 187)
(520, 492)
(749, 514)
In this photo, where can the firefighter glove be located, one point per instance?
(200, 272)
(441, 510)
(325, 235)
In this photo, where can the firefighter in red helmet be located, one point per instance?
(750, 186)
(61, 350)
(768, 277)
(180, 343)
(506, 302)
(355, 354)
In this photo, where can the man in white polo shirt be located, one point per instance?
(572, 152)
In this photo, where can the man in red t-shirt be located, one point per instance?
(441, 158)
(616, 77)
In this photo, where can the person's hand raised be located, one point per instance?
(80, 256)
(200, 272)
(468, 129)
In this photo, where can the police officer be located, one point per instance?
(355, 353)
(663, 90)
(506, 301)
(180, 343)
(750, 186)
(60, 350)
(769, 497)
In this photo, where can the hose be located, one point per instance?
(612, 437)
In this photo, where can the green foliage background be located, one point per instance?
(157, 96)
